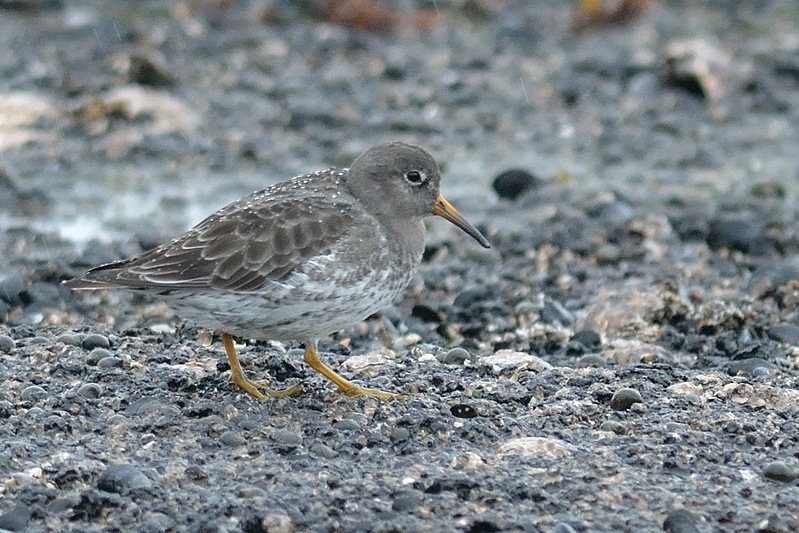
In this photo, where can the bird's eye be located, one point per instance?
(414, 177)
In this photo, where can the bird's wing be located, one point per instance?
(239, 248)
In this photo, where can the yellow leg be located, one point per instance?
(345, 386)
(251, 387)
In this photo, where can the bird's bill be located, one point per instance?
(444, 209)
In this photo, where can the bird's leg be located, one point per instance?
(345, 386)
(251, 387)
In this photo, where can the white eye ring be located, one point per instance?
(415, 177)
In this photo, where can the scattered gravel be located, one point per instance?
(624, 358)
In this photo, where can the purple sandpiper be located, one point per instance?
(298, 260)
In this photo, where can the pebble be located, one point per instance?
(536, 446)
(770, 276)
(455, 356)
(463, 410)
(232, 438)
(95, 340)
(16, 519)
(348, 424)
(70, 339)
(785, 333)
(38, 341)
(277, 523)
(96, 355)
(399, 435)
(753, 366)
(109, 362)
(33, 392)
(323, 450)
(123, 478)
(514, 182)
(405, 501)
(288, 438)
(681, 521)
(588, 338)
(780, 471)
(623, 399)
(252, 492)
(7, 344)
(616, 427)
(90, 390)
(511, 359)
(12, 285)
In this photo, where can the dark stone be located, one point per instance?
(123, 478)
(514, 182)
(463, 410)
(785, 333)
(623, 399)
(681, 521)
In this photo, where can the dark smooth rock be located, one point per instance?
(463, 410)
(785, 333)
(681, 521)
(514, 182)
(780, 471)
(623, 399)
(95, 340)
(752, 366)
(123, 478)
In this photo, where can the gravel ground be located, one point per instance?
(624, 358)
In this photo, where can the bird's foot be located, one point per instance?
(254, 388)
(349, 388)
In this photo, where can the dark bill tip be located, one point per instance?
(444, 209)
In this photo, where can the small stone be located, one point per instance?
(615, 427)
(277, 523)
(405, 501)
(252, 492)
(232, 438)
(456, 356)
(69, 339)
(681, 521)
(195, 473)
(785, 333)
(514, 182)
(287, 438)
(779, 471)
(90, 390)
(109, 362)
(623, 399)
(323, 450)
(96, 355)
(588, 338)
(95, 340)
(123, 478)
(536, 446)
(399, 435)
(17, 519)
(504, 360)
(7, 344)
(12, 285)
(33, 392)
(463, 410)
(348, 424)
(752, 366)
(38, 341)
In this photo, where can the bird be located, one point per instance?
(298, 260)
